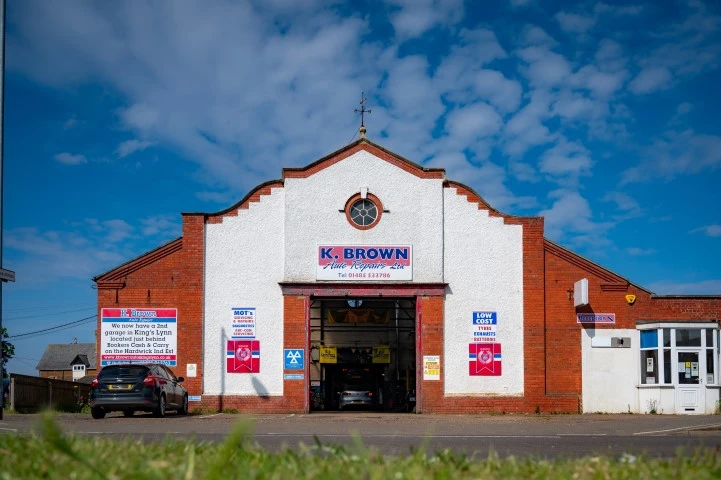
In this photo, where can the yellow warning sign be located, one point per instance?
(381, 354)
(328, 355)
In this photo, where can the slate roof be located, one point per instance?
(61, 356)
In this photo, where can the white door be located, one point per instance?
(690, 397)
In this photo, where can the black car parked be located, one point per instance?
(131, 387)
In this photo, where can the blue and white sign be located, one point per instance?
(294, 359)
(484, 326)
(243, 323)
(293, 376)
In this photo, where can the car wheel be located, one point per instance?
(129, 412)
(160, 409)
(183, 410)
(97, 413)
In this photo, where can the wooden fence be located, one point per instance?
(31, 394)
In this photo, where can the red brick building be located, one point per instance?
(366, 270)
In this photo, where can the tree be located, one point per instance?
(8, 349)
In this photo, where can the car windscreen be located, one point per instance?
(119, 371)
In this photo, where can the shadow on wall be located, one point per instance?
(260, 389)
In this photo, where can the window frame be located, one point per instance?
(674, 349)
(372, 199)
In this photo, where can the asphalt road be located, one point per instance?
(543, 436)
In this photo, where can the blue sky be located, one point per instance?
(600, 116)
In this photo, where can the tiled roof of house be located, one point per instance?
(61, 356)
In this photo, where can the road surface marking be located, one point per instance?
(691, 427)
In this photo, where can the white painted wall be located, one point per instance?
(712, 400)
(483, 266)
(315, 215)
(610, 375)
(243, 265)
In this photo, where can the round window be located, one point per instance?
(363, 213)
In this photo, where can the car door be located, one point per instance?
(166, 385)
(175, 386)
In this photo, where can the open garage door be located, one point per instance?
(363, 354)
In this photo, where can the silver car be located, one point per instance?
(357, 396)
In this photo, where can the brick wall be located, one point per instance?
(168, 277)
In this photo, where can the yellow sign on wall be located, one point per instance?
(382, 354)
(328, 355)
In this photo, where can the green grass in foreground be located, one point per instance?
(51, 454)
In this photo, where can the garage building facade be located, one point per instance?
(365, 268)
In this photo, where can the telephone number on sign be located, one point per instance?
(369, 275)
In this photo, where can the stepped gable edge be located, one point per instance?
(473, 197)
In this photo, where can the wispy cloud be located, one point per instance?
(708, 230)
(70, 159)
(129, 147)
(702, 287)
(637, 252)
(681, 153)
(84, 249)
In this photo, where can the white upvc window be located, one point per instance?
(664, 347)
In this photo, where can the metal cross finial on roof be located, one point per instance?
(362, 112)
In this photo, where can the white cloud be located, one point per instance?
(671, 287)
(684, 108)
(486, 175)
(638, 252)
(709, 230)
(545, 68)
(533, 35)
(575, 23)
(627, 205)
(604, 8)
(415, 17)
(566, 161)
(677, 154)
(526, 129)
(473, 121)
(165, 225)
(70, 159)
(88, 247)
(650, 79)
(218, 83)
(71, 123)
(42, 257)
(573, 106)
(492, 86)
(129, 147)
(117, 230)
(602, 84)
(570, 217)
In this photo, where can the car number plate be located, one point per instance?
(119, 387)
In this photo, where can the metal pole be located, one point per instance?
(2, 131)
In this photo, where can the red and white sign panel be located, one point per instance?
(138, 335)
(243, 356)
(364, 262)
(484, 360)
